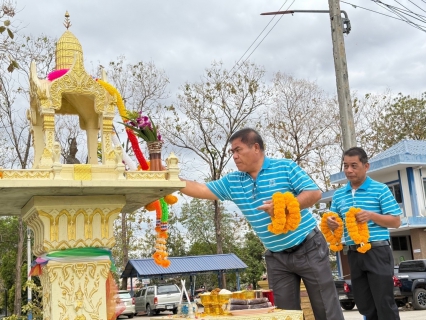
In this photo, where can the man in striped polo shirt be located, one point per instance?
(371, 272)
(295, 255)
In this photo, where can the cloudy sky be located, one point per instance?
(184, 37)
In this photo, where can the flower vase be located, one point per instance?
(154, 149)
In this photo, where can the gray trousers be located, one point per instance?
(310, 263)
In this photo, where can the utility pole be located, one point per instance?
(340, 66)
(342, 80)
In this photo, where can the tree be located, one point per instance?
(197, 220)
(14, 126)
(142, 86)
(208, 112)
(251, 253)
(7, 10)
(405, 118)
(298, 125)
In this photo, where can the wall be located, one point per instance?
(418, 242)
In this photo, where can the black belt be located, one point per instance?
(308, 237)
(381, 243)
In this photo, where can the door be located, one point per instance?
(140, 300)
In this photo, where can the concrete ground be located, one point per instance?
(349, 315)
(403, 314)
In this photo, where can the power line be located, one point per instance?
(260, 40)
(357, 6)
(394, 10)
(417, 5)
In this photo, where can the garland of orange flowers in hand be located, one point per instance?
(358, 232)
(282, 222)
(334, 238)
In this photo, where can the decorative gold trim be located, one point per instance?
(26, 174)
(82, 172)
(79, 290)
(77, 81)
(146, 175)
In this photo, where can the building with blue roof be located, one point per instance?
(403, 169)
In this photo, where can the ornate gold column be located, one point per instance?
(49, 138)
(74, 288)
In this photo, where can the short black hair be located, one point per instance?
(248, 136)
(357, 151)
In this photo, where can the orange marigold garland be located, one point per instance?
(334, 238)
(161, 226)
(282, 222)
(358, 232)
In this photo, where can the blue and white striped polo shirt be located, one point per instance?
(371, 196)
(276, 175)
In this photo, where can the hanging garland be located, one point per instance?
(161, 228)
(358, 232)
(282, 222)
(334, 238)
(123, 113)
(159, 206)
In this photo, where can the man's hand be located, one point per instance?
(384, 220)
(332, 223)
(363, 216)
(268, 207)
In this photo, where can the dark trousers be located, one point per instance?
(372, 283)
(310, 263)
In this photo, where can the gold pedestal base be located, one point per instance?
(75, 291)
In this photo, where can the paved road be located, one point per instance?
(349, 315)
(403, 314)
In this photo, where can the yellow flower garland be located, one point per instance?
(358, 232)
(282, 222)
(333, 238)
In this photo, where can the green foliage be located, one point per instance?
(405, 118)
(8, 250)
(252, 254)
(36, 304)
(197, 216)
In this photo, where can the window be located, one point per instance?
(424, 186)
(396, 191)
(399, 243)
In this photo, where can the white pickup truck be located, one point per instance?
(154, 299)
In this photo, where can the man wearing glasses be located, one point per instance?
(295, 255)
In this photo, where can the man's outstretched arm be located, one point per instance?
(198, 190)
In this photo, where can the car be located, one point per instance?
(157, 298)
(127, 302)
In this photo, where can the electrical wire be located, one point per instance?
(241, 64)
(400, 13)
(257, 38)
(386, 15)
(417, 5)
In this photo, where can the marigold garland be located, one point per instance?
(358, 232)
(123, 113)
(282, 222)
(159, 206)
(161, 226)
(170, 199)
(334, 238)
